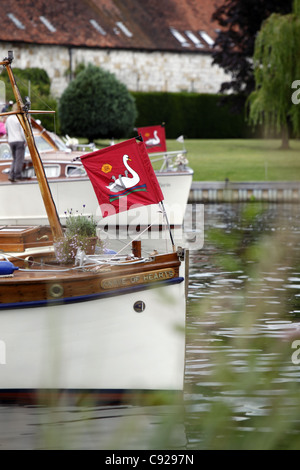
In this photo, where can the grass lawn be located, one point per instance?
(239, 159)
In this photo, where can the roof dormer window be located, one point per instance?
(47, 23)
(124, 29)
(98, 27)
(207, 38)
(180, 38)
(15, 20)
(194, 39)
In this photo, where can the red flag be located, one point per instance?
(122, 176)
(154, 138)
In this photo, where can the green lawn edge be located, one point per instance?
(237, 159)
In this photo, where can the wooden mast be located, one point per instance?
(22, 115)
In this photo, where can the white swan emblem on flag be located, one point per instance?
(154, 141)
(124, 182)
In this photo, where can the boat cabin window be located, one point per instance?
(51, 171)
(41, 144)
(5, 152)
(60, 144)
(75, 171)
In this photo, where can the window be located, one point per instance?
(42, 145)
(180, 38)
(5, 152)
(47, 23)
(74, 171)
(207, 38)
(51, 171)
(124, 29)
(98, 27)
(194, 39)
(15, 20)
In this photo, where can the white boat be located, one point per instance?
(70, 185)
(112, 343)
(109, 328)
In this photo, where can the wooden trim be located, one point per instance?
(86, 298)
(44, 284)
(18, 239)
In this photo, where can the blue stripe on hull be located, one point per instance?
(85, 298)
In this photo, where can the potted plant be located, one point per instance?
(80, 232)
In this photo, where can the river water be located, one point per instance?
(242, 377)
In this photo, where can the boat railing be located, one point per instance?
(83, 147)
(171, 160)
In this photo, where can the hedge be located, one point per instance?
(196, 116)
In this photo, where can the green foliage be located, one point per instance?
(73, 73)
(35, 83)
(276, 67)
(80, 225)
(96, 105)
(196, 116)
(80, 234)
(38, 77)
(239, 23)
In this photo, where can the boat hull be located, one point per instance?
(176, 189)
(108, 347)
(73, 194)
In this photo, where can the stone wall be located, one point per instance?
(139, 71)
(244, 191)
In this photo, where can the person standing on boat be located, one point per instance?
(16, 140)
(6, 107)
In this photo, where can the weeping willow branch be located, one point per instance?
(276, 67)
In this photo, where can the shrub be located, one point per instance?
(96, 105)
(34, 82)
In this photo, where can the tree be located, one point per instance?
(35, 83)
(277, 67)
(240, 20)
(96, 105)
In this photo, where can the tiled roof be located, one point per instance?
(174, 25)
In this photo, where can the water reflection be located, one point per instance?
(241, 381)
(241, 384)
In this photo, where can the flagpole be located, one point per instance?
(167, 221)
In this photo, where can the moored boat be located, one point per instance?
(104, 331)
(70, 184)
(107, 327)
